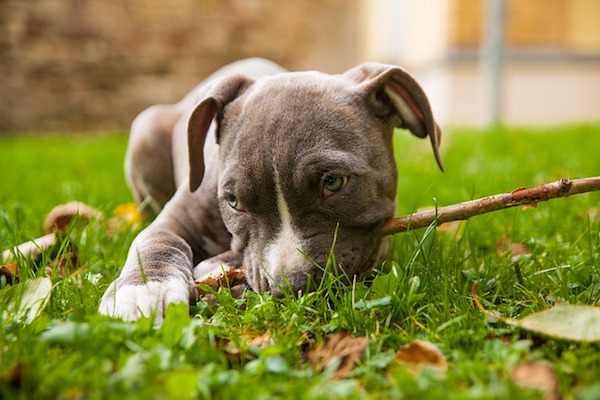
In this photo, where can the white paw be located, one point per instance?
(130, 302)
(210, 268)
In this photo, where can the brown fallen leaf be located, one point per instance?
(12, 267)
(230, 278)
(420, 354)
(259, 341)
(562, 321)
(10, 272)
(59, 218)
(248, 340)
(537, 375)
(341, 348)
(506, 246)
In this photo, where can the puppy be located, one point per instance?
(263, 168)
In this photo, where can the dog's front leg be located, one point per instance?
(158, 271)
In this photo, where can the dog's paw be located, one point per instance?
(130, 302)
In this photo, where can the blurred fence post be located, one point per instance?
(492, 54)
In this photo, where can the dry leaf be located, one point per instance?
(60, 217)
(504, 245)
(419, 354)
(258, 341)
(565, 321)
(10, 269)
(10, 272)
(574, 322)
(26, 300)
(249, 339)
(232, 277)
(537, 375)
(340, 348)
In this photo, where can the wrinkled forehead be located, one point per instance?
(300, 86)
(296, 124)
(296, 112)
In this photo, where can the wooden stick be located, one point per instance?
(32, 249)
(519, 197)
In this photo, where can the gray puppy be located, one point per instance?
(261, 167)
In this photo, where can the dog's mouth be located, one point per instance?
(307, 276)
(289, 283)
(258, 281)
(285, 280)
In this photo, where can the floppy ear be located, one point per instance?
(391, 91)
(210, 106)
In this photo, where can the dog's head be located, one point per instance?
(306, 156)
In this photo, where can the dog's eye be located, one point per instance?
(333, 184)
(232, 201)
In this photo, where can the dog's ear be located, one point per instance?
(211, 106)
(393, 92)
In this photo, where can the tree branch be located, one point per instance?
(519, 197)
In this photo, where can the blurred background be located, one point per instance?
(85, 65)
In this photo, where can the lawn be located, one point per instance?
(259, 347)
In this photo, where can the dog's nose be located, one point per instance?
(292, 281)
(285, 263)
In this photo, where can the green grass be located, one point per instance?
(423, 291)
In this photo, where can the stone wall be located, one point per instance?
(83, 65)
